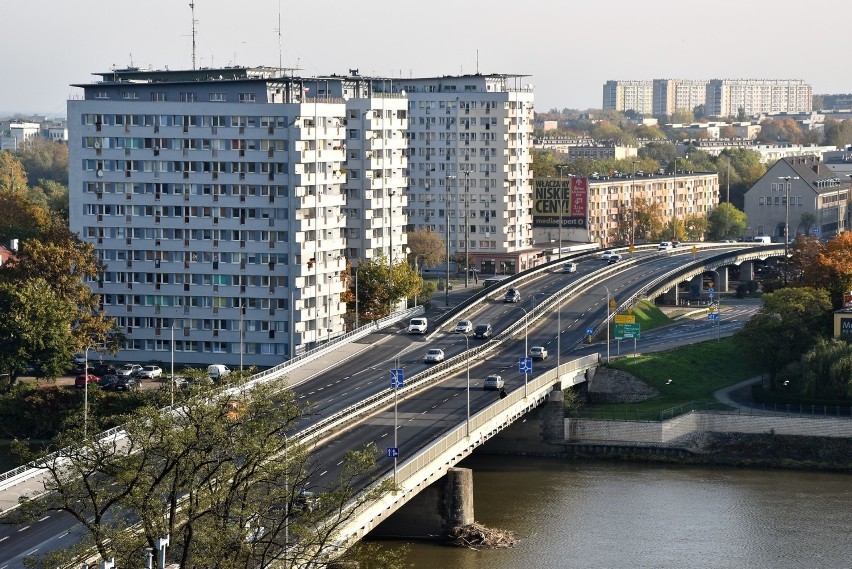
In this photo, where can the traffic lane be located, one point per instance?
(54, 531)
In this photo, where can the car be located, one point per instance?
(764, 239)
(482, 331)
(81, 380)
(676, 244)
(104, 369)
(464, 327)
(512, 295)
(433, 356)
(606, 255)
(569, 268)
(127, 383)
(150, 372)
(108, 381)
(128, 370)
(218, 371)
(79, 358)
(727, 241)
(493, 381)
(418, 326)
(538, 353)
(613, 259)
(180, 382)
(306, 501)
(664, 246)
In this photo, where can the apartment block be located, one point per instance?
(671, 95)
(635, 96)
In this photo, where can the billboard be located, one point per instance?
(566, 199)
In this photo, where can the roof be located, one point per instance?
(819, 177)
(5, 256)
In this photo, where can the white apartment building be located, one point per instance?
(725, 97)
(671, 95)
(215, 200)
(629, 96)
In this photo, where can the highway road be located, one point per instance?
(423, 416)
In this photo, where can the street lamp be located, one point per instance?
(447, 216)
(526, 345)
(607, 322)
(633, 206)
(466, 235)
(467, 360)
(786, 189)
(718, 304)
(561, 204)
(86, 391)
(173, 362)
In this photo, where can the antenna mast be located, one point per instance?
(194, 21)
(280, 65)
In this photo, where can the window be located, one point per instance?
(247, 98)
(158, 96)
(217, 97)
(101, 95)
(129, 95)
(188, 97)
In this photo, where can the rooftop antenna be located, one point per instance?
(194, 21)
(477, 62)
(280, 64)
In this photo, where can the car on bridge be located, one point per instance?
(464, 327)
(482, 331)
(418, 326)
(606, 255)
(538, 353)
(569, 268)
(493, 381)
(614, 258)
(512, 295)
(433, 356)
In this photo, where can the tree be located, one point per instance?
(781, 130)
(427, 248)
(649, 221)
(726, 222)
(663, 152)
(380, 287)
(544, 163)
(683, 116)
(13, 177)
(220, 476)
(44, 160)
(35, 329)
(835, 262)
(695, 227)
(52, 196)
(827, 370)
(788, 325)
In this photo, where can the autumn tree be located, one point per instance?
(781, 130)
(13, 176)
(44, 159)
(835, 264)
(695, 227)
(726, 222)
(381, 287)
(427, 248)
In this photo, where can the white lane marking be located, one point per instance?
(24, 528)
(4, 538)
(383, 436)
(357, 372)
(339, 463)
(424, 412)
(44, 518)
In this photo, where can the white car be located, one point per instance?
(538, 352)
(128, 370)
(606, 255)
(433, 356)
(150, 372)
(493, 381)
(464, 327)
(569, 268)
(418, 326)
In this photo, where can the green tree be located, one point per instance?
(427, 248)
(663, 152)
(683, 116)
(52, 196)
(827, 370)
(221, 477)
(380, 288)
(695, 227)
(544, 163)
(726, 222)
(787, 326)
(781, 130)
(35, 329)
(44, 160)
(837, 133)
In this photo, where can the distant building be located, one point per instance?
(623, 96)
(818, 200)
(671, 95)
(574, 149)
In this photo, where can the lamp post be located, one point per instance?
(357, 323)
(86, 391)
(561, 208)
(466, 235)
(418, 271)
(242, 309)
(718, 305)
(390, 247)
(447, 216)
(786, 189)
(607, 322)
(633, 206)
(173, 363)
(467, 365)
(526, 345)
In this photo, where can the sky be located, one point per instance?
(569, 48)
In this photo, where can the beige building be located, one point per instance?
(725, 97)
(629, 96)
(671, 95)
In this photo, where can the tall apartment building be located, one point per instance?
(671, 95)
(226, 203)
(725, 97)
(635, 96)
(215, 199)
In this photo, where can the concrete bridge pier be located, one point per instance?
(435, 511)
(722, 285)
(746, 271)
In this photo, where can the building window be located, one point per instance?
(247, 98)
(188, 97)
(158, 96)
(101, 95)
(129, 95)
(217, 97)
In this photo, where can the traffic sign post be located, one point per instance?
(397, 378)
(624, 319)
(392, 452)
(525, 365)
(627, 331)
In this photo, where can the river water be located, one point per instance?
(597, 515)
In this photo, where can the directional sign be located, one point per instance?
(711, 290)
(397, 378)
(713, 316)
(627, 331)
(590, 331)
(525, 365)
(624, 319)
(392, 452)
(612, 304)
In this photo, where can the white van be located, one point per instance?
(664, 246)
(217, 371)
(418, 326)
(765, 239)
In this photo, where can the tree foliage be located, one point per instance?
(787, 326)
(827, 370)
(427, 248)
(544, 163)
(44, 159)
(13, 177)
(726, 222)
(380, 288)
(781, 130)
(827, 266)
(220, 477)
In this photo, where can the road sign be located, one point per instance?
(397, 378)
(590, 331)
(713, 316)
(627, 331)
(711, 290)
(392, 452)
(612, 304)
(525, 365)
(624, 319)
(711, 308)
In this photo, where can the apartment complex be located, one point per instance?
(720, 97)
(226, 203)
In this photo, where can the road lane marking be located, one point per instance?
(44, 518)
(323, 472)
(24, 528)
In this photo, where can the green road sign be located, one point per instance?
(626, 331)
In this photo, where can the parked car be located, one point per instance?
(606, 255)
(493, 381)
(79, 358)
(433, 356)
(418, 326)
(104, 369)
(464, 327)
(217, 371)
(764, 239)
(538, 352)
(82, 380)
(613, 259)
(127, 383)
(150, 372)
(128, 370)
(482, 331)
(512, 295)
(180, 382)
(569, 268)
(108, 382)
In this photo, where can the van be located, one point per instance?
(482, 331)
(764, 239)
(418, 326)
(664, 246)
(217, 371)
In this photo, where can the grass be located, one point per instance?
(649, 316)
(695, 371)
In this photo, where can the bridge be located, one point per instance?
(433, 441)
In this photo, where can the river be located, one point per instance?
(597, 515)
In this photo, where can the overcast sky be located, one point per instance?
(570, 48)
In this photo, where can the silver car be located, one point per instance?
(434, 356)
(493, 381)
(464, 327)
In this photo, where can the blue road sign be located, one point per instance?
(397, 378)
(713, 316)
(590, 331)
(711, 290)
(525, 365)
(393, 452)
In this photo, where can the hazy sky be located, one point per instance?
(568, 47)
